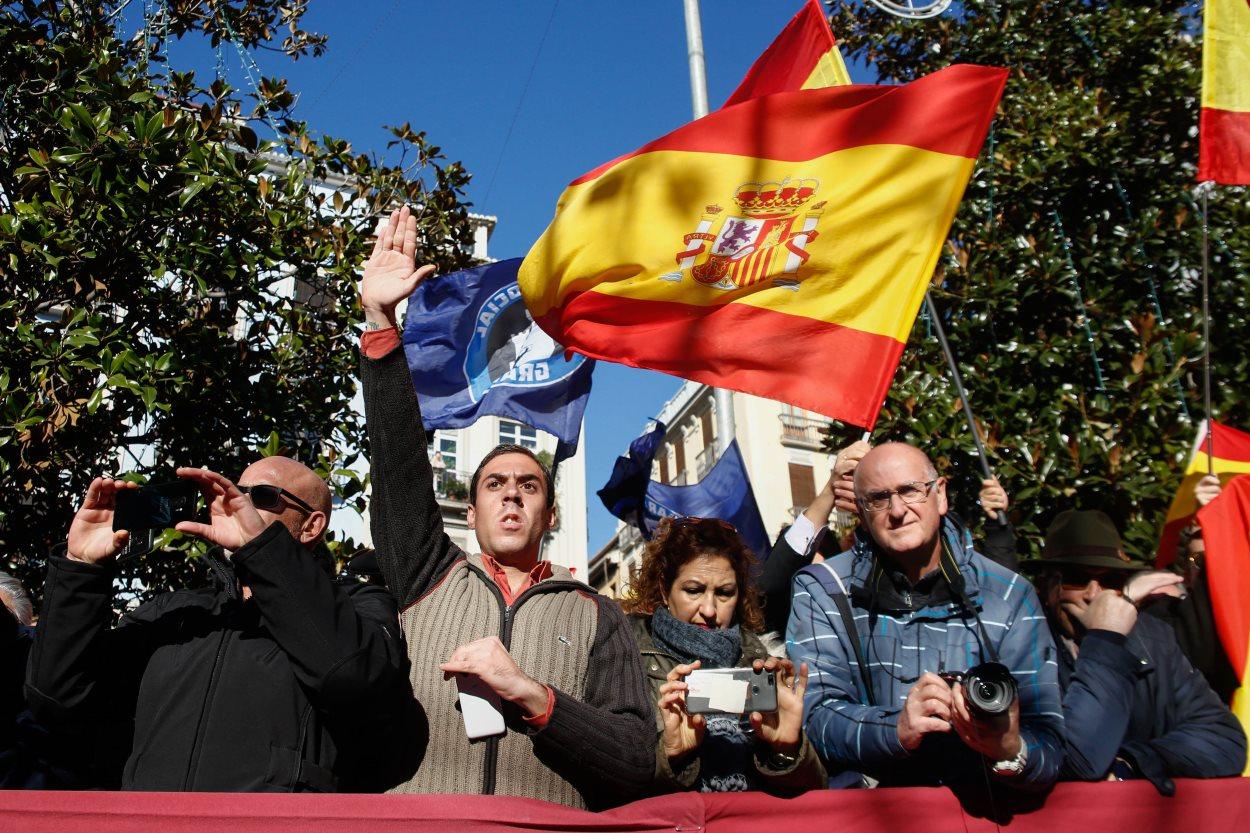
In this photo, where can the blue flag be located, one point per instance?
(626, 489)
(474, 350)
(724, 492)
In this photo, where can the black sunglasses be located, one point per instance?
(1078, 578)
(269, 498)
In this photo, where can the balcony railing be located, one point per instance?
(801, 430)
(704, 462)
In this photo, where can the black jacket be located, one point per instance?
(1138, 698)
(203, 691)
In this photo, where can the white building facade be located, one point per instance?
(781, 449)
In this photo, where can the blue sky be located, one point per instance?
(524, 121)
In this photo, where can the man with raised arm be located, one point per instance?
(268, 682)
(910, 602)
(560, 659)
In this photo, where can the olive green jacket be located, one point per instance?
(806, 773)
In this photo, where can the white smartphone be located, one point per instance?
(480, 707)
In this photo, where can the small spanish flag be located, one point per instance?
(803, 57)
(1230, 457)
(1226, 535)
(1224, 126)
(780, 247)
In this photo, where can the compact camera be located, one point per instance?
(989, 688)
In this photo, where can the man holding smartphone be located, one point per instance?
(557, 707)
(258, 684)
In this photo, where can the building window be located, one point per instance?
(445, 453)
(802, 486)
(680, 451)
(705, 419)
(515, 433)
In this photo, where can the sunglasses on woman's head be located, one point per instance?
(269, 498)
(690, 520)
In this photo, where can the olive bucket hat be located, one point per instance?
(1085, 538)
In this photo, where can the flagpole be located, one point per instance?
(963, 394)
(724, 399)
(1206, 332)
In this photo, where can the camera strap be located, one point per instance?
(959, 587)
(837, 591)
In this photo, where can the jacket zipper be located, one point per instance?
(505, 636)
(197, 744)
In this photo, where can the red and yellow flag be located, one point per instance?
(1230, 457)
(780, 247)
(803, 57)
(1224, 128)
(1226, 534)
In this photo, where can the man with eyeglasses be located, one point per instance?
(911, 601)
(554, 660)
(279, 678)
(1133, 704)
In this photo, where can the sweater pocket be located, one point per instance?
(290, 772)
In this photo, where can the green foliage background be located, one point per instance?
(148, 242)
(1098, 125)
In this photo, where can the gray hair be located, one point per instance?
(13, 594)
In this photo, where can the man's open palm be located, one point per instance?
(391, 274)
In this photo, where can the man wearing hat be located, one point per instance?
(1133, 706)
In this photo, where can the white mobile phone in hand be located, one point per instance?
(480, 707)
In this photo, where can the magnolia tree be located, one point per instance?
(1070, 284)
(178, 291)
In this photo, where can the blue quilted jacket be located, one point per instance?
(900, 640)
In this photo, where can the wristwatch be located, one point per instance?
(1012, 766)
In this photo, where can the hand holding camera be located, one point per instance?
(986, 713)
(92, 538)
(683, 731)
(782, 729)
(929, 708)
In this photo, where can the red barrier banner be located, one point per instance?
(1217, 806)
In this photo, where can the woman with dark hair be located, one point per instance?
(693, 606)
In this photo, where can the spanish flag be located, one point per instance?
(1230, 457)
(1226, 534)
(1224, 126)
(803, 57)
(780, 247)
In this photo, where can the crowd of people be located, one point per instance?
(904, 654)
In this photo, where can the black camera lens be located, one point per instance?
(990, 689)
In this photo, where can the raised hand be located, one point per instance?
(683, 732)
(391, 273)
(233, 520)
(1207, 489)
(993, 497)
(91, 537)
(1153, 584)
(783, 728)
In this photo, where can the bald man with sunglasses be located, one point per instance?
(278, 679)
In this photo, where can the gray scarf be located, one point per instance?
(717, 648)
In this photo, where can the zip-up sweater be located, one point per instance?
(596, 748)
(199, 690)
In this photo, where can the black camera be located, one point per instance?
(989, 688)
